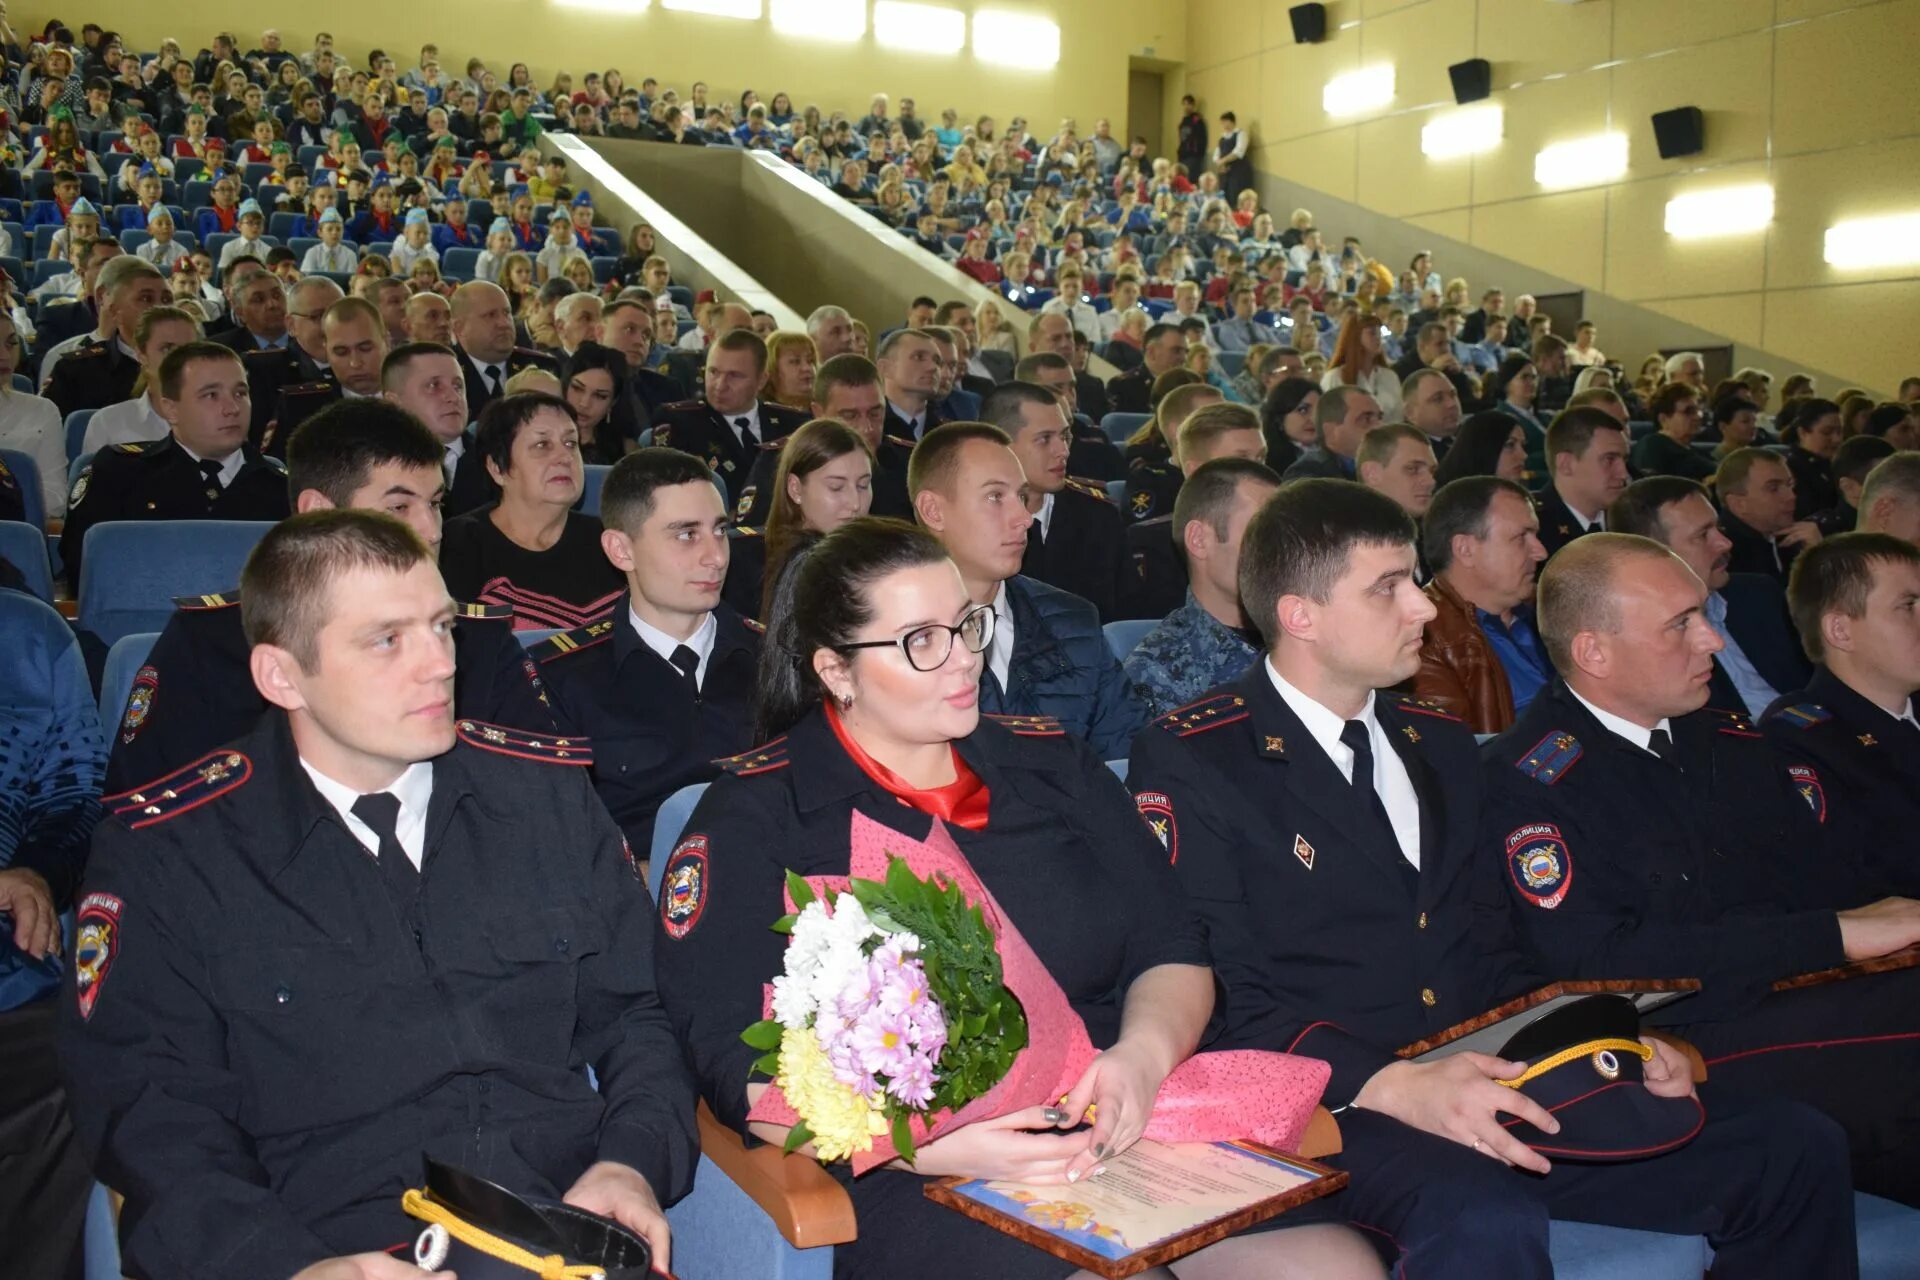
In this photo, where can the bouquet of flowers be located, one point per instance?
(891, 1005)
(910, 1006)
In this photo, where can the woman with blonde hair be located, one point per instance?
(1360, 360)
(995, 333)
(791, 360)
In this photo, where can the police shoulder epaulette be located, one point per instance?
(903, 441)
(1733, 723)
(762, 759)
(1091, 488)
(141, 446)
(1802, 715)
(1152, 520)
(276, 463)
(773, 446)
(1550, 757)
(754, 625)
(683, 405)
(207, 778)
(256, 353)
(745, 531)
(544, 747)
(1421, 707)
(307, 388)
(572, 641)
(196, 604)
(89, 349)
(1029, 726)
(482, 612)
(1208, 713)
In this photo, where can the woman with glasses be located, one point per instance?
(869, 703)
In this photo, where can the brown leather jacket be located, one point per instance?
(1458, 669)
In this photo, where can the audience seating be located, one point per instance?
(133, 569)
(25, 548)
(458, 264)
(1122, 636)
(1116, 492)
(590, 497)
(77, 430)
(124, 660)
(1119, 426)
(27, 472)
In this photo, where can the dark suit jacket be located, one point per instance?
(1320, 462)
(695, 427)
(1085, 549)
(1558, 524)
(1754, 552)
(478, 397)
(897, 428)
(1758, 620)
(1092, 395)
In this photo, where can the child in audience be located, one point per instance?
(192, 145)
(252, 242)
(293, 196)
(279, 161)
(331, 254)
(283, 264)
(83, 223)
(456, 232)
(378, 221)
(161, 249)
(525, 235)
(259, 148)
(146, 191)
(560, 242)
(581, 211)
(146, 155)
(552, 175)
(500, 243)
(414, 244)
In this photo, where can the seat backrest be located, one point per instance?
(1117, 492)
(124, 660)
(25, 548)
(130, 241)
(668, 823)
(532, 636)
(458, 263)
(282, 224)
(1119, 426)
(27, 472)
(77, 431)
(596, 477)
(133, 569)
(1119, 768)
(1121, 636)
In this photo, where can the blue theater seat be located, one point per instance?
(24, 547)
(134, 568)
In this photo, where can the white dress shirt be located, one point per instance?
(1000, 652)
(1390, 780)
(128, 422)
(1043, 517)
(497, 371)
(228, 468)
(455, 447)
(752, 414)
(1639, 737)
(413, 789)
(701, 642)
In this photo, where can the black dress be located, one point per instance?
(1065, 854)
(566, 586)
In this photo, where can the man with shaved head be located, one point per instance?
(1642, 833)
(483, 338)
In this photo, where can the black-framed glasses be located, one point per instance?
(928, 648)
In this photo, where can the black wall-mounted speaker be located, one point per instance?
(1680, 132)
(1472, 80)
(1309, 23)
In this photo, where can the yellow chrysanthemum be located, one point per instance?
(841, 1120)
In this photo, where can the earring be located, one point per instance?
(846, 702)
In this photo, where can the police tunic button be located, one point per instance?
(561, 946)
(1427, 997)
(1423, 920)
(282, 994)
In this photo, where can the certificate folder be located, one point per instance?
(1155, 1203)
(1487, 1032)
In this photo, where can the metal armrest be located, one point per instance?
(807, 1206)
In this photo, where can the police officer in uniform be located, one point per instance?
(1325, 831)
(203, 470)
(1586, 452)
(363, 935)
(483, 336)
(1640, 833)
(1075, 541)
(858, 710)
(102, 372)
(356, 339)
(1850, 738)
(194, 693)
(1206, 428)
(1153, 476)
(727, 429)
(1162, 348)
(664, 685)
(846, 388)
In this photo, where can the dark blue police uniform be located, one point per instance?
(1330, 943)
(1854, 760)
(195, 692)
(652, 732)
(1061, 852)
(263, 1039)
(1714, 865)
(1153, 482)
(696, 427)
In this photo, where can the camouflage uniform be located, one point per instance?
(1189, 653)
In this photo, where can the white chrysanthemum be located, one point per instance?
(812, 934)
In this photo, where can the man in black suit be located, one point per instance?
(483, 337)
(910, 372)
(1587, 458)
(1756, 495)
(1433, 349)
(426, 379)
(1052, 332)
(1761, 657)
(727, 428)
(1164, 347)
(256, 300)
(626, 326)
(355, 339)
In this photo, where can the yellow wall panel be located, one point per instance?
(1538, 115)
(1641, 27)
(1848, 78)
(1569, 228)
(1728, 80)
(1737, 315)
(1455, 224)
(1216, 33)
(1863, 332)
(1420, 43)
(1796, 10)
(1292, 77)
(1527, 39)
(1396, 178)
(1644, 262)
(1323, 161)
(1811, 193)
(1375, 8)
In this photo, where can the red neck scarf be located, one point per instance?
(962, 802)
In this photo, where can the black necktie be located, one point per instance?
(493, 379)
(381, 812)
(211, 470)
(747, 437)
(1354, 735)
(689, 664)
(1660, 742)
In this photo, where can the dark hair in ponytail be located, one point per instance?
(821, 601)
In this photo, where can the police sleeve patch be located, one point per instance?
(1141, 503)
(745, 504)
(1156, 808)
(1806, 783)
(96, 942)
(146, 687)
(683, 887)
(1540, 864)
